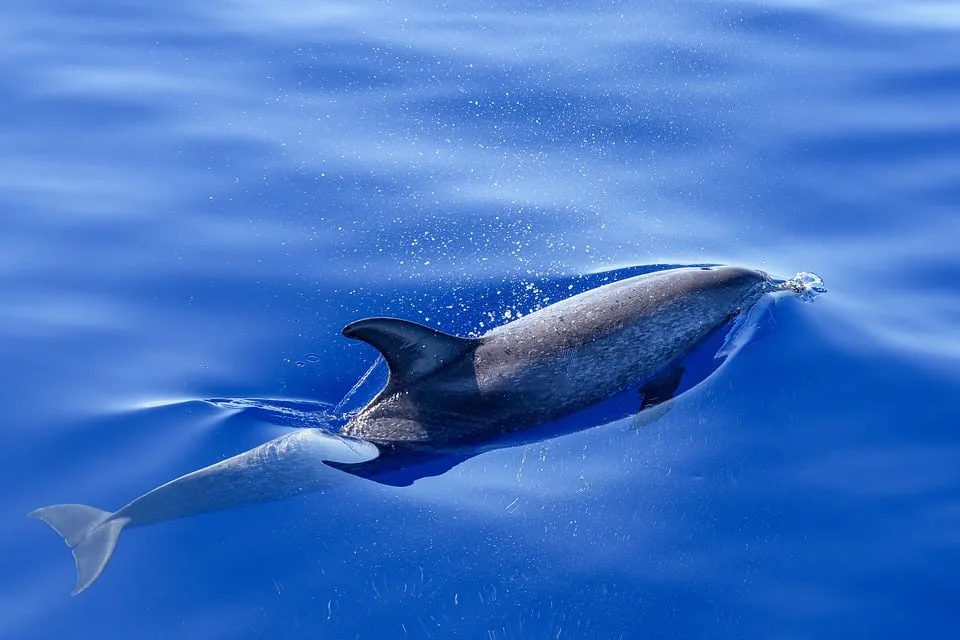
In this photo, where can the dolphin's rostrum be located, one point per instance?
(448, 398)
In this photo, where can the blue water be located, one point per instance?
(196, 197)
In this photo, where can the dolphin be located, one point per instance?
(448, 398)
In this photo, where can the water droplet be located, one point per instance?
(807, 286)
(312, 358)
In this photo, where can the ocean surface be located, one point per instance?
(196, 197)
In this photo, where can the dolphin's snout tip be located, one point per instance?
(807, 286)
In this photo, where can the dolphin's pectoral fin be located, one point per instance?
(410, 349)
(662, 388)
(648, 416)
(657, 397)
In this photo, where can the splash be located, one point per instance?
(807, 286)
(297, 414)
(344, 407)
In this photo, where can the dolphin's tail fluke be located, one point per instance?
(89, 532)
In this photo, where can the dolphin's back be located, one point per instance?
(559, 359)
(581, 350)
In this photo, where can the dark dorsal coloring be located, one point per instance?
(447, 391)
(411, 350)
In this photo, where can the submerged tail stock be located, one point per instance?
(288, 466)
(90, 533)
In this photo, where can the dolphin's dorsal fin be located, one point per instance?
(410, 349)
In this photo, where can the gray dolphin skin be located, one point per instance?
(444, 390)
(445, 393)
(282, 468)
